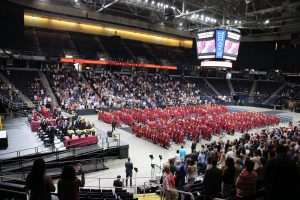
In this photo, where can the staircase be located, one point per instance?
(128, 50)
(252, 91)
(72, 51)
(24, 98)
(211, 87)
(150, 52)
(267, 101)
(230, 86)
(101, 47)
(87, 83)
(48, 88)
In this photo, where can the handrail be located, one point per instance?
(18, 192)
(52, 150)
(173, 190)
(13, 104)
(183, 192)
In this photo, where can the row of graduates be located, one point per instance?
(197, 127)
(129, 116)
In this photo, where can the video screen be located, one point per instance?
(231, 47)
(206, 47)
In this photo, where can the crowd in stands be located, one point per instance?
(37, 93)
(71, 90)
(264, 164)
(138, 90)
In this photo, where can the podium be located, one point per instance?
(3, 140)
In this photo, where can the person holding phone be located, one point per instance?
(68, 185)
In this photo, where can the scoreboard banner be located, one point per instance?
(218, 44)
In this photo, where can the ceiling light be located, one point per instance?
(187, 11)
(267, 21)
(146, 1)
(152, 2)
(247, 1)
(202, 17)
(180, 24)
(235, 21)
(240, 22)
(227, 22)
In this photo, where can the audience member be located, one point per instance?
(118, 183)
(39, 182)
(246, 182)
(212, 181)
(68, 185)
(128, 170)
(228, 177)
(169, 184)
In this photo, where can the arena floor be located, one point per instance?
(139, 149)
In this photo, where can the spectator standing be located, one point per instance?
(238, 168)
(246, 182)
(212, 181)
(39, 182)
(180, 175)
(281, 176)
(228, 177)
(191, 172)
(193, 146)
(182, 153)
(169, 184)
(128, 171)
(118, 183)
(68, 185)
(201, 163)
(113, 124)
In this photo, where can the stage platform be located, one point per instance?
(24, 146)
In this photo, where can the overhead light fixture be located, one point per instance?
(202, 17)
(240, 22)
(235, 21)
(146, 1)
(152, 2)
(227, 22)
(180, 24)
(247, 1)
(267, 21)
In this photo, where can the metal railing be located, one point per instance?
(105, 142)
(162, 192)
(180, 192)
(21, 163)
(16, 192)
(14, 105)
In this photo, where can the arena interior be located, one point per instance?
(150, 99)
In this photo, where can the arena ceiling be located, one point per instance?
(250, 16)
